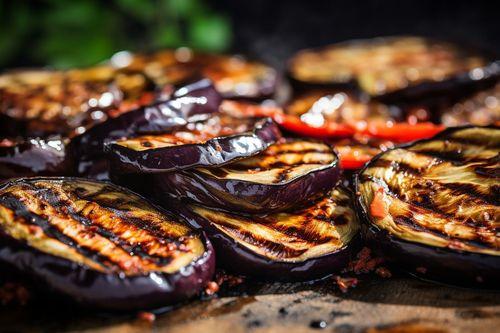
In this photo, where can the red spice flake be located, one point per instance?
(211, 288)
(378, 206)
(455, 245)
(35, 230)
(222, 277)
(146, 316)
(345, 283)
(364, 263)
(383, 272)
(14, 293)
(421, 270)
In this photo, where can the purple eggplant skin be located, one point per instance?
(236, 258)
(194, 101)
(440, 265)
(106, 291)
(35, 156)
(214, 152)
(246, 196)
(435, 264)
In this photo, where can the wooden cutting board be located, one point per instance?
(396, 305)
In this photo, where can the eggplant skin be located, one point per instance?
(375, 66)
(307, 244)
(171, 151)
(286, 175)
(102, 246)
(433, 206)
(34, 156)
(192, 101)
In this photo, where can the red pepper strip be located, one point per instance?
(289, 122)
(352, 158)
(400, 132)
(378, 207)
(329, 129)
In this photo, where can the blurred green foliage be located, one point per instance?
(65, 33)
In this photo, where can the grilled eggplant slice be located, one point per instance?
(305, 244)
(394, 67)
(285, 175)
(192, 102)
(233, 76)
(435, 205)
(483, 108)
(34, 156)
(43, 102)
(216, 141)
(100, 244)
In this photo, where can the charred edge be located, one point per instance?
(14, 203)
(66, 207)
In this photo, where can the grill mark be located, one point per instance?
(66, 207)
(472, 142)
(466, 189)
(280, 250)
(15, 204)
(292, 151)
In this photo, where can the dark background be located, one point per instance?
(66, 33)
(275, 29)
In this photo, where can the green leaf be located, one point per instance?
(211, 33)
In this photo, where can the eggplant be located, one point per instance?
(287, 174)
(34, 156)
(213, 142)
(305, 244)
(483, 108)
(233, 76)
(194, 101)
(433, 206)
(99, 244)
(44, 102)
(315, 106)
(394, 68)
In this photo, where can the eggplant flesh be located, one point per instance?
(439, 194)
(483, 108)
(216, 141)
(100, 244)
(44, 102)
(233, 76)
(287, 174)
(34, 156)
(304, 244)
(383, 66)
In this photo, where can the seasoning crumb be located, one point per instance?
(146, 316)
(345, 283)
(211, 288)
(421, 270)
(383, 272)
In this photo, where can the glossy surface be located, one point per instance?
(383, 66)
(233, 76)
(100, 244)
(483, 108)
(285, 175)
(438, 197)
(34, 156)
(192, 102)
(44, 102)
(215, 141)
(308, 243)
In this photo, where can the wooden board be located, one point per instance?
(393, 305)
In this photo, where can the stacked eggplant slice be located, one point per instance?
(100, 244)
(268, 183)
(433, 206)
